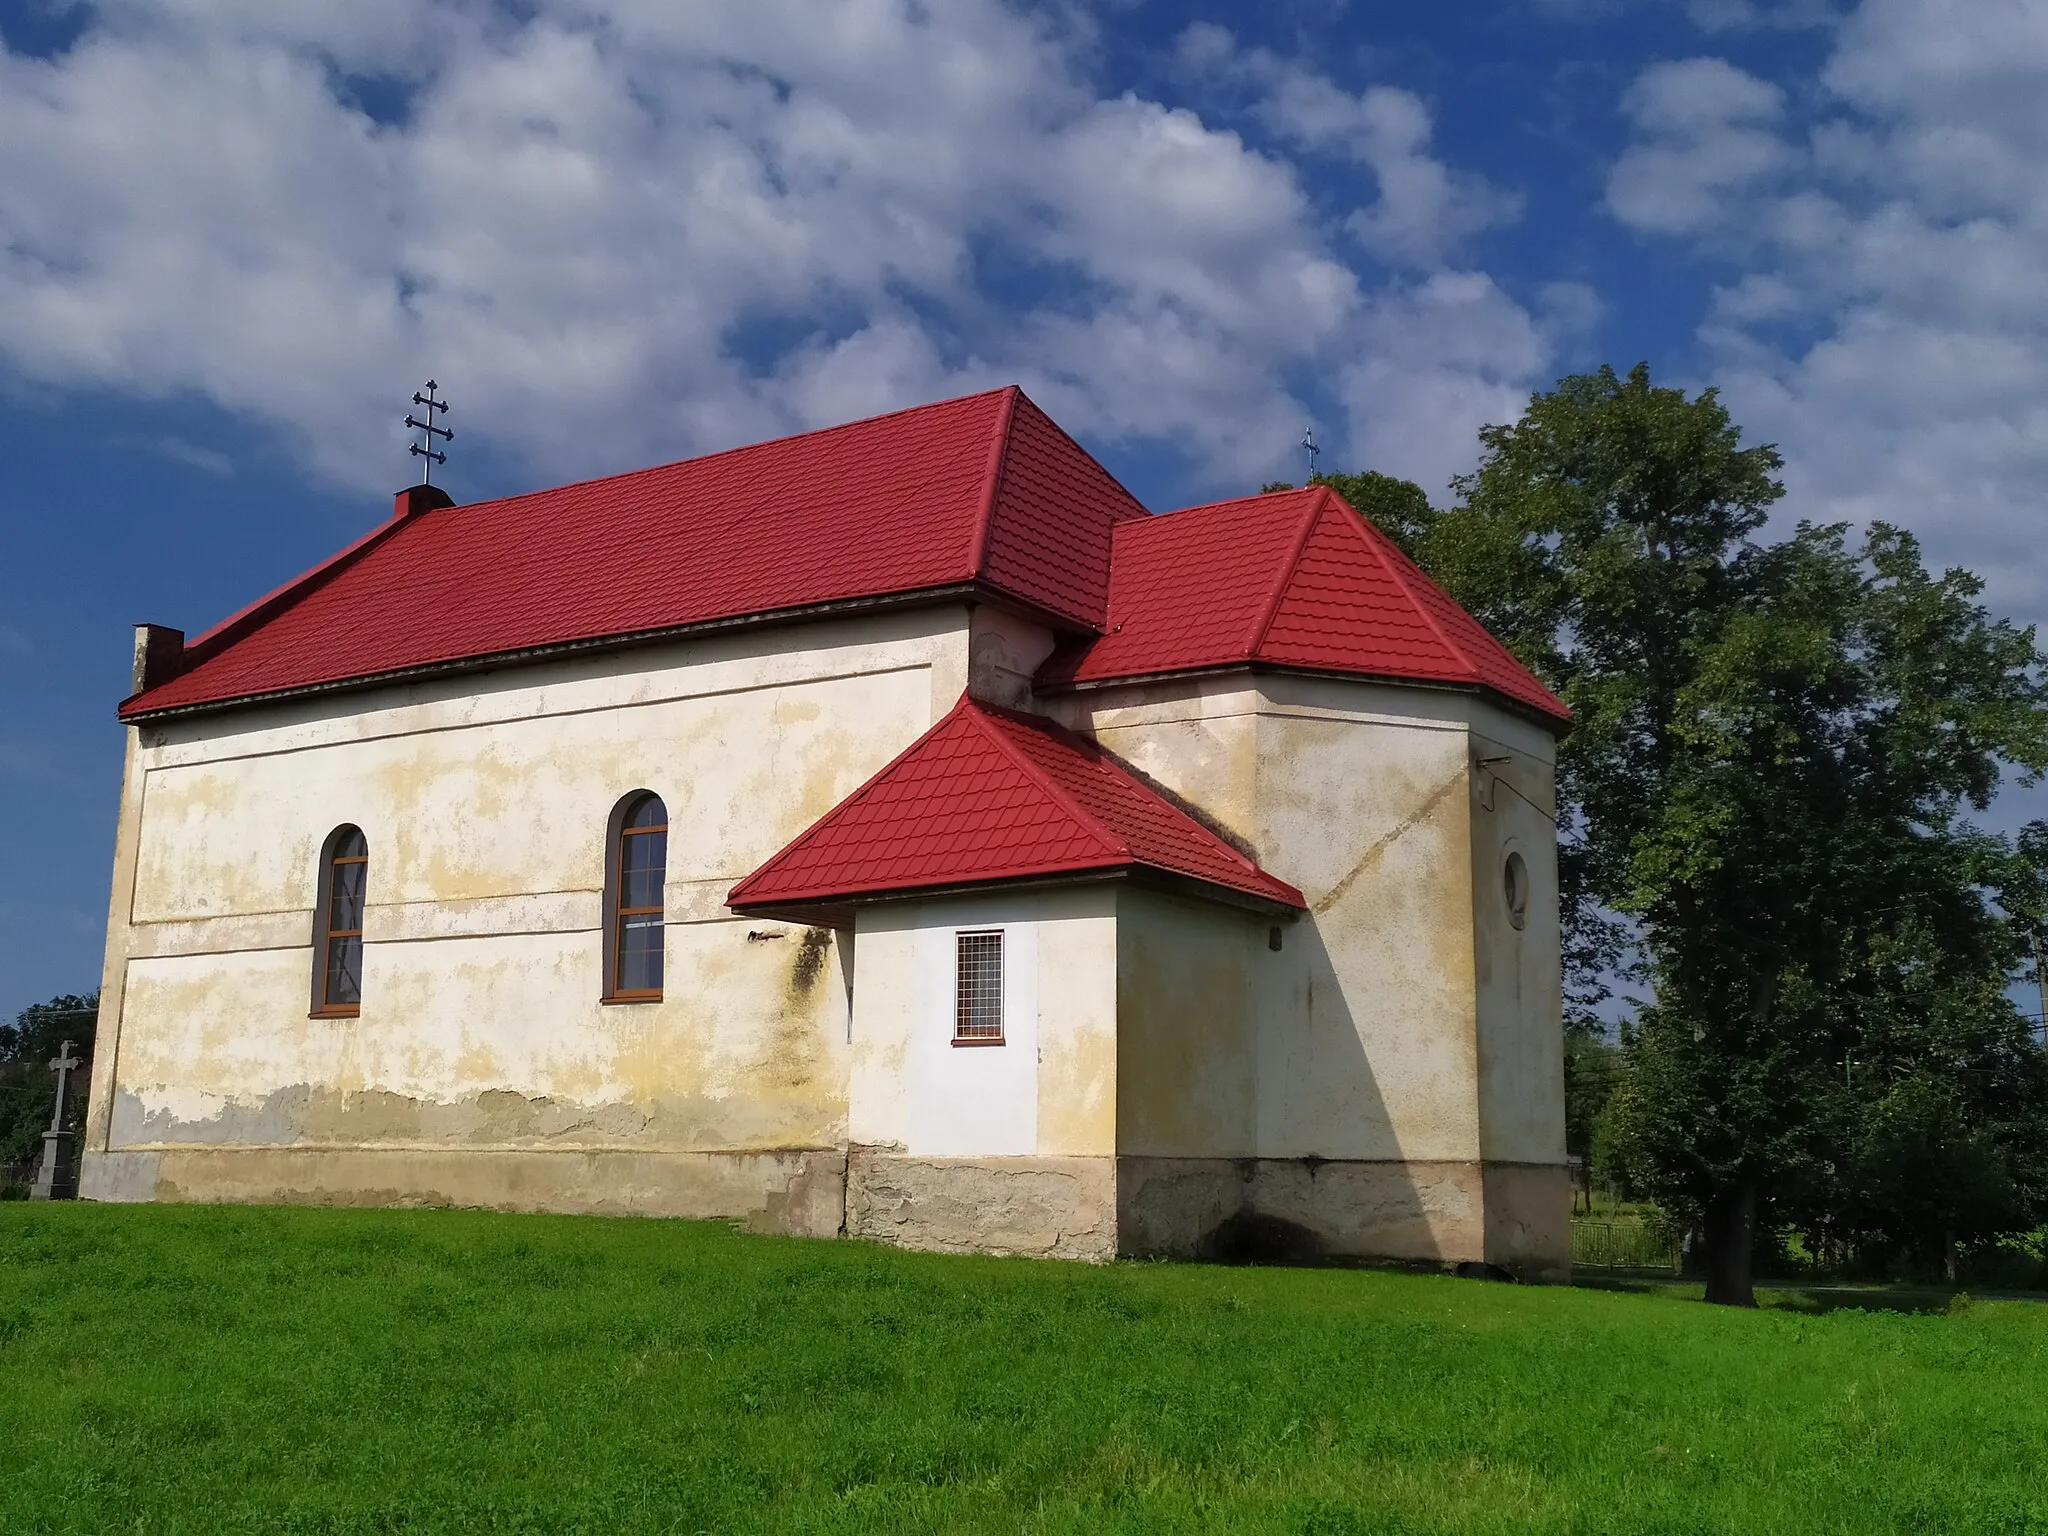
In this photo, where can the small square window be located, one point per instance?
(978, 990)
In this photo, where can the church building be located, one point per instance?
(893, 831)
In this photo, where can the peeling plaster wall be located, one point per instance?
(1521, 1039)
(1358, 794)
(1187, 975)
(484, 800)
(1301, 1209)
(1003, 652)
(1520, 998)
(1363, 805)
(1407, 1094)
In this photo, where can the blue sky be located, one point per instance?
(236, 234)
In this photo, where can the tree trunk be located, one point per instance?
(1731, 1246)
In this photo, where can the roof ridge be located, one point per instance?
(1380, 545)
(988, 714)
(737, 448)
(1144, 513)
(992, 484)
(1314, 512)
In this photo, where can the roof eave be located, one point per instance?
(843, 904)
(919, 597)
(848, 902)
(1556, 724)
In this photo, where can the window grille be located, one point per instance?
(978, 995)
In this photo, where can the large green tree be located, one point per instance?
(1764, 793)
(1774, 747)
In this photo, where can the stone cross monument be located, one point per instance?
(58, 1177)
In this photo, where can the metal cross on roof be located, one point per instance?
(1308, 442)
(426, 450)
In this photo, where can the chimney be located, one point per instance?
(415, 499)
(159, 653)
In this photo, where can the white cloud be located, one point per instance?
(1708, 15)
(1425, 210)
(1762, 15)
(208, 461)
(21, 760)
(589, 214)
(1706, 134)
(1887, 314)
(1442, 359)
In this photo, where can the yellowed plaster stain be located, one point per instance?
(1077, 1092)
(1370, 859)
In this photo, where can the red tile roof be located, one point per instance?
(983, 490)
(989, 796)
(1293, 579)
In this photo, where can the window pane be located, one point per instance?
(344, 972)
(640, 940)
(978, 1010)
(350, 845)
(644, 861)
(345, 891)
(648, 813)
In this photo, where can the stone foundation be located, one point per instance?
(1513, 1217)
(1046, 1207)
(1529, 1220)
(794, 1191)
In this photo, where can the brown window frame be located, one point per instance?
(963, 1004)
(326, 935)
(616, 911)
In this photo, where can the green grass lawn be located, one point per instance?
(193, 1369)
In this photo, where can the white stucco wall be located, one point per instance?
(484, 800)
(1049, 1090)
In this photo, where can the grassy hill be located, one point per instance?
(190, 1369)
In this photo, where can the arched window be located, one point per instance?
(338, 925)
(638, 861)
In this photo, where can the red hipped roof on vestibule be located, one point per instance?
(991, 796)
